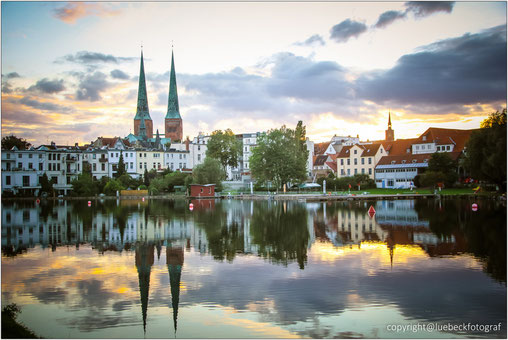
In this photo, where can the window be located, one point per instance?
(199, 147)
(180, 156)
(342, 172)
(370, 171)
(132, 165)
(58, 166)
(172, 166)
(144, 155)
(116, 155)
(363, 171)
(9, 157)
(363, 161)
(94, 156)
(140, 155)
(30, 166)
(370, 160)
(8, 180)
(145, 165)
(348, 161)
(19, 155)
(179, 165)
(356, 151)
(41, 166)
(29, 155)
(428, 146)
(348, 172)
(94, 167)
(356, 171)
(58, 157)
(448, 147)
(20, 165)
(342, 162)
(103, 167)
(199, 157)
(201, 189)
(26, 181)
(153, 167)
(356, 161)
(40, 156)
(140, 165)
(26, 218)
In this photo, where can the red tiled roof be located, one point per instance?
(399, 146)
(320, 160)
(320, 148)
(344, 152)
(408, 158)
(332, 165)
(370, 149)
(446, 136)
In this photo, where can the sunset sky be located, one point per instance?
(70, 70)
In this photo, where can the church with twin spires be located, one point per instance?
(143, 124)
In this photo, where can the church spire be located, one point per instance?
(142, 129)
(174, 260)
(173, 107)
(142, 107)
(389, 121)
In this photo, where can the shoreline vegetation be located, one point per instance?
(367, 194)
(13, 329)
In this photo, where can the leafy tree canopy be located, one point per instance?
(210, 171)
(280, 157)
(486, 150)
(8, 142)
(225, 147)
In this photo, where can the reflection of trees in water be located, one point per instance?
(484, 230)
(225, 239)
(281, 232)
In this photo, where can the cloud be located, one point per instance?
(73, 11)
(465, 70)
(421, 9)
(28, 101)
(119, 74)
(12, 75)
(389, 17)
(87, 57)
(90, 86)
(316, 39)
(347, 29)
(48, 86)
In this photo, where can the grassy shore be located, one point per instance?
(11, 328)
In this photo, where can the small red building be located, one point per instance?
(202, 190)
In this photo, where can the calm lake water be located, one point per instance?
(262, 269)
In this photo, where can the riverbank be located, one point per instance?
(308, 197)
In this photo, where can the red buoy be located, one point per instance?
(191, 207)
(474, 207)
(37, 201)
(89, 203)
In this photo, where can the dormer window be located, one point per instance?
(403, 161)
(393, 162)
(414, 160)
(424, 138)
(425, 160)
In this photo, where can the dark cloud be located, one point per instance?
(51, 295)
(19, 116)
(422, 9)
(13, 75)
(347, 29)
(389, 17)
(28, 101)
(48, 86)
(119, 74)
(86, 57)
(316, 39)
(90, 86)
(465, 70)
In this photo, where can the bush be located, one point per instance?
(112, 187)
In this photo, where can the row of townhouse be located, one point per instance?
(391, 163)
(22, 169)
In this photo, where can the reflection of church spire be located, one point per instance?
(144, 262)
(391, 248)
(174, 260)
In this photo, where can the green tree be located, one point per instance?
(441, 169)
(146, 179)
(280, 157)
(84, 185)
(209, 172)
(8, 142)
(46, 184)
(112, 187)
(486, 150)
(225, 147)
(120, 168)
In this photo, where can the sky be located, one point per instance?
(70, 69)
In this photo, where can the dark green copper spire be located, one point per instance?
(142, 108)
(173, 108)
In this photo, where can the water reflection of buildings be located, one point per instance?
(395, 223)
